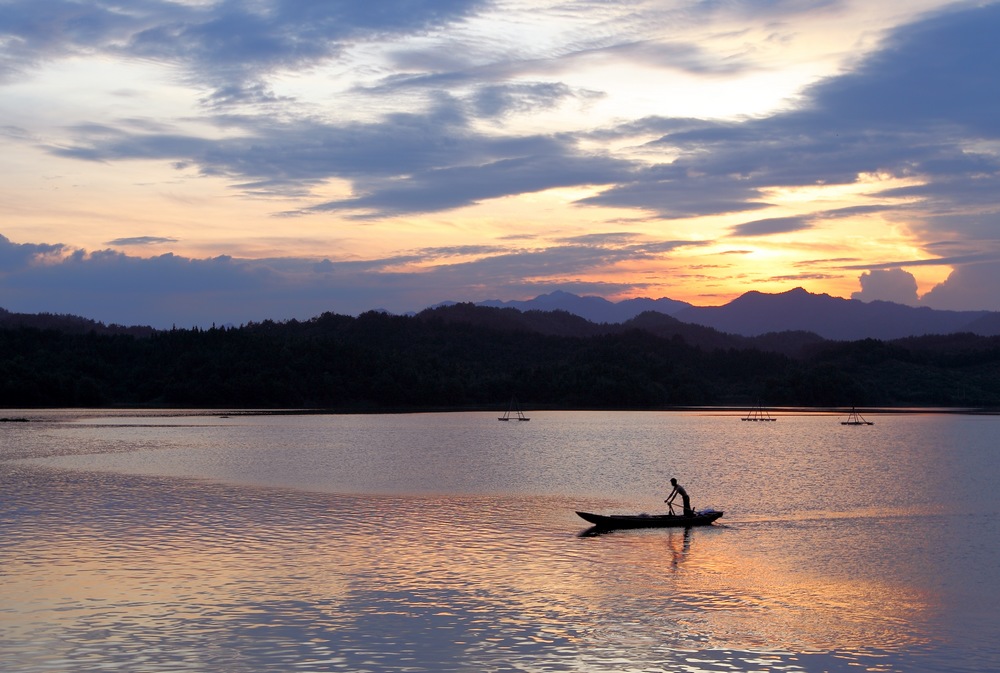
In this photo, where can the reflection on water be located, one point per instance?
(133, 570)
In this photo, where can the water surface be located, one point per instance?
(448, 542)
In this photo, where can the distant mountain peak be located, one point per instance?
(756, 313)
(593, 308)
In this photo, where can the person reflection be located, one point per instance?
(678, 549)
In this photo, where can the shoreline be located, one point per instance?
(19, 413)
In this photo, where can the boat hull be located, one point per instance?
(609, 521)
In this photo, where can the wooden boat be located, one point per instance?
(854, 418)
(609, 521)
(513, 412)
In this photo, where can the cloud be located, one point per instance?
(894, 285)
(141, 240)
(225, 45)
(14, 256)
(443, 189)
(931, 74)
(970, 287)
(921, 108)
(771, 225)
(500, 100)
(35, 31)
(900, 112)
(168, 290)
(404, 163)
(669, 193)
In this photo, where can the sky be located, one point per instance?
(196, 162)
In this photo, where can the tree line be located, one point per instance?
(466, 357)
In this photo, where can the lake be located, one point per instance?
(250, 542)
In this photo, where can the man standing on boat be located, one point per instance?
(679, 491)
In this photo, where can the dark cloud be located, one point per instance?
(852, 211)
(921, 108)
(863, 122)
(15, 256)
(499, 100)
(970, 287)
(675, 198)
(141, 240)
(169, 289)
(403, 163)
(227, 45)
(915, 108)
(771, 225)
(937, 74)
(406, 163)
(956, 260)
(33, 32)
(462, 185)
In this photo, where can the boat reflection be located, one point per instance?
(671, 533)
(678, 540)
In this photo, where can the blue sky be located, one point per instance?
(198, 162)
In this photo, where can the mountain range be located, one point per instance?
(594, 309)
(756, 313)
(798, 316)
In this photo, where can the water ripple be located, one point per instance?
(154, 573)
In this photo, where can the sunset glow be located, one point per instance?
(292, 158)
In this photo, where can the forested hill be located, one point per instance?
(66, 323)
(464, 357)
